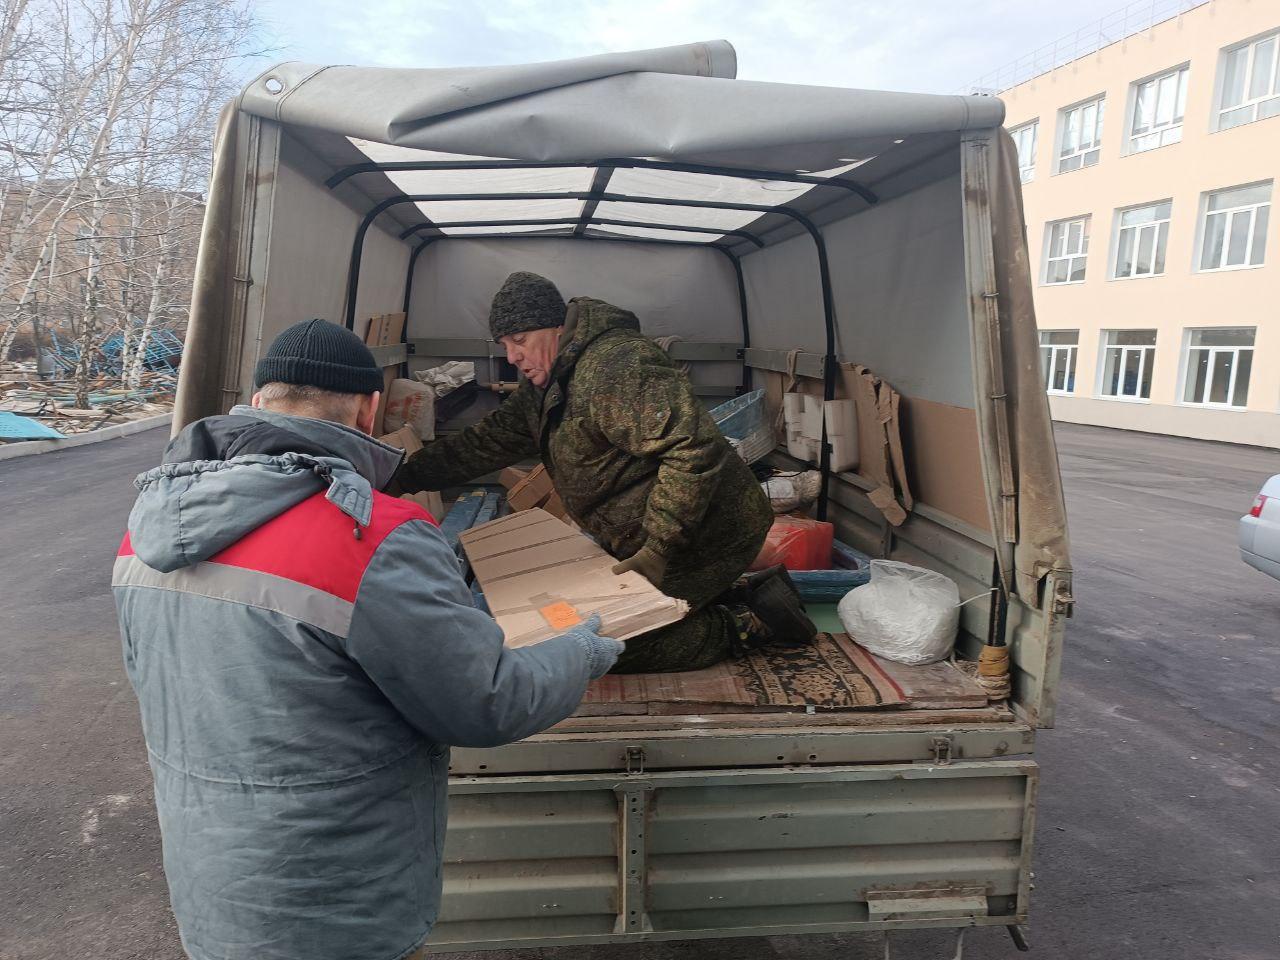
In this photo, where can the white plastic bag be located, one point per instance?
(905, 613)
(448, 376)
(788, 492)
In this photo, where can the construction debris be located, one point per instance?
(52, 404)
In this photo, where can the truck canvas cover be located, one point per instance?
(830, 225)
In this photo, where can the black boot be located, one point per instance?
(773, 598)
(750, 633)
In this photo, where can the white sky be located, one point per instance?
(931, 46)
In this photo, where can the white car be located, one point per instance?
(1260, 530)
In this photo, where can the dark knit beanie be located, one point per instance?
(316, 353)
(525, 302)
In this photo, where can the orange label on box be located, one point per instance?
(560, 615)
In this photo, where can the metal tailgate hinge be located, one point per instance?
(634, 757)
(942, 747)
(1064, 604)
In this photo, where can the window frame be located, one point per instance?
(1202, 231)
(1100, 101)
(1048, 364)
(1146, 360)
(1213, 351)
(1181, 71)
(1027, 172)
(1086, 219)
(1220, 85)
(1118, 228)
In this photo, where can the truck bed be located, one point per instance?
(942, 717)
(683, 728)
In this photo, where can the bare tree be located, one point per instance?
(107, 111)
(90, 318)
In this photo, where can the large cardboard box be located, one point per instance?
(511, 476)
(405, 438)
(532, 488)
(384, 329)
(431, 501)
(541, 577)
(532, 491)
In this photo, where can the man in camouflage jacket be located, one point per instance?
(636, 459)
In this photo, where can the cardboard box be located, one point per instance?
(511, 476)
(384, 329)
(555, 506)
(532, 491)
(405, 439)
(432, 502)
(527, 489)
(541, 577)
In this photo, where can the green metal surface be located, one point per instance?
(824, 617)
(695, 745)
(595, 858)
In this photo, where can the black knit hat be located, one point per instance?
(316, 353)
(526, 301)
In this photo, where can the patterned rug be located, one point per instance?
(833, 673)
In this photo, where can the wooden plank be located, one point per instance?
(935, 685)
(691, 724)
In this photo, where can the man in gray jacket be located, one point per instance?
(304, 651)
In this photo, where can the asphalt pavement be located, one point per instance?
(1159, 825)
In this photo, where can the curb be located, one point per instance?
(11, 451)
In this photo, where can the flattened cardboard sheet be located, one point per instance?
(541, 577)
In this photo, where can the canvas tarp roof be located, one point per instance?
(679, 104)
(676, 103)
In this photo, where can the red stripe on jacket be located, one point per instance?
(314, 543)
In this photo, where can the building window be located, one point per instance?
(1250, 82)
(1066, 250)
(1234, 234)
(1058, 359)
(1158, 106)
(1219, 360)
(1141, 240)
(1080, 135)
(1128, 358)
(1024, 138)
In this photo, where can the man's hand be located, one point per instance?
(604, 650)
(647, 562)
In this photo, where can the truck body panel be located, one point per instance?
(874, 229)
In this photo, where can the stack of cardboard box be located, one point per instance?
(407, 440)
(527, 489)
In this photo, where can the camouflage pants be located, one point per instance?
(706, 635)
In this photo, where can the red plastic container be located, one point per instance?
(798, 543)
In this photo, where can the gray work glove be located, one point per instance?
(602, 652)
(647, 562)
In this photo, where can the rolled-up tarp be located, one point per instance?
(675, 103)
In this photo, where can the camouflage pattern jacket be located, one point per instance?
(632, 452)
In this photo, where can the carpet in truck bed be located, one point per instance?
(833, 673)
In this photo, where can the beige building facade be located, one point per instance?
(1149, 168)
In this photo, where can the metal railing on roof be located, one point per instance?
(1119, 25)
